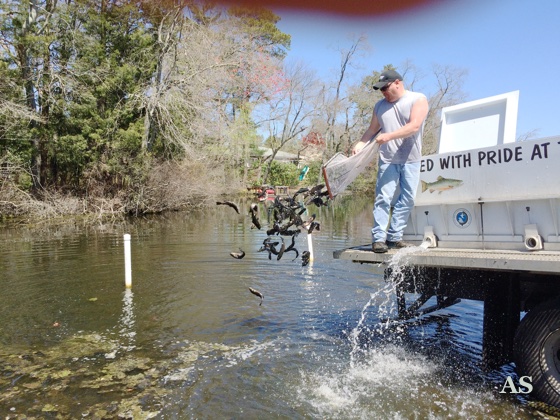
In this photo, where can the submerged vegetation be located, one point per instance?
(119, 382)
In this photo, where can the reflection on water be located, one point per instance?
(189, 340)
(127, 330)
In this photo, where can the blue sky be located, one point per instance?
(505, 45)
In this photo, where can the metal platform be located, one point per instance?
(545, 262)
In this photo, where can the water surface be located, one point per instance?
(189, 340)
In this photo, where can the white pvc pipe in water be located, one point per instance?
(127, 262)
(310, 247)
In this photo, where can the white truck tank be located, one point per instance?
(489, 192)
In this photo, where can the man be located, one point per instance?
(400, 117)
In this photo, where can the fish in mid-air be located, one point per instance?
(254, 211)
(229, 203)
(269, 245)
(281, 250)
(257, 293)
(313, 226)
(317, 200)
(305, 257)
(292, 247)
(316, 189)
(300, 191)
(308, 222)
(238, 255)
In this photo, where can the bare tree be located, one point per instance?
(168, 32)
(184, 101)
(202, 72)
(449, 82)
(337, 107)
(292, 111)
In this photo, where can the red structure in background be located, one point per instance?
(314, 139)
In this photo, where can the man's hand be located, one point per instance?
(358, 147)
(383, 138)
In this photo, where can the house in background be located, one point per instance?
(281, 156)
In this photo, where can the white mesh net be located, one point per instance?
(340, 171)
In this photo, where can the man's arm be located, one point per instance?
(372, 130)
(418, 114)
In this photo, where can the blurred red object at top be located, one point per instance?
(355, 8)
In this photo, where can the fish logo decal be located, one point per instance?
(441, 184)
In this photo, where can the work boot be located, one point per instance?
(379, 247)
(398, 244)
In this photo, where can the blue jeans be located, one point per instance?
(396, 185)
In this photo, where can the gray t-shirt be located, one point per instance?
(391, 117)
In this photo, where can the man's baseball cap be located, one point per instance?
(387, 77)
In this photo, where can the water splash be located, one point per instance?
(355, 333)
(385, 298)
(397, 270)
(400, 259)
(392, 383)
(373, 387)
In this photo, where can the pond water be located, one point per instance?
(189, 340)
